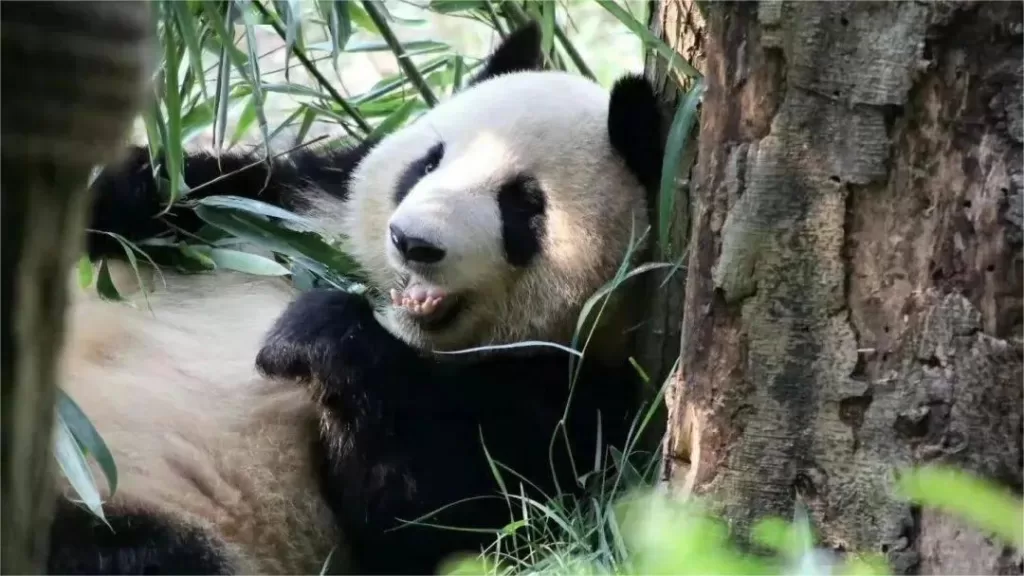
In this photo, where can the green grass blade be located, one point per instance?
(676, 146)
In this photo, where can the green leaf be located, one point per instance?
(88, 438)
(396, 81)
(246, 262)
(676, 145)
(254, 72)
(195, 258)
(105, 284)
(395, 120)
(291, 14)
(308, 115)
(339, 23)
(308, 247)
(547, 10)
(361, 18)
(455, 6)
(411, 48)
(974, 499)
(172, 101)
(257, 207)
(76, 469)
(185, 19)
(85, 271)
(245, 120)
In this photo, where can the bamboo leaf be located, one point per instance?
(676, 146)
(172, 101)
(244, 262)
(308, 247)
(456, 6)
(308, 116)
(259, 208)
(412, 48)
(254, 71)
(185, 20)
(358, 15)
(89, 440)
(245, 120)
(394, 120)
(105, 284)
(76, 469)
(85, 272)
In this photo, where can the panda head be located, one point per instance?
(494, 216)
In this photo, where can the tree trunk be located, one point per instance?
(73, 74)
(854, 293)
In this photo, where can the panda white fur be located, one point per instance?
(255, 427)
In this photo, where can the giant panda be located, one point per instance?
(257, 428)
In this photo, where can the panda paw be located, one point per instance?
(331, 339)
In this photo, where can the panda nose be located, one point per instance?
(415, 249)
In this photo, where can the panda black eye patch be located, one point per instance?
(523, 208)
(417, 170)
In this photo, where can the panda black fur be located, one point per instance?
(516, 200)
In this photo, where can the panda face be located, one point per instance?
(493, 217)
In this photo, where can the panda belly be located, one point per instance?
(215, 464)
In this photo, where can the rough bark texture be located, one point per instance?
(73, 74)
(854, 293)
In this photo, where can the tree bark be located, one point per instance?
(854, 292)
(73, 78)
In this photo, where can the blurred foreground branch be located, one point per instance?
(73, 75)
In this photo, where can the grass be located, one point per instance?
(216, 82)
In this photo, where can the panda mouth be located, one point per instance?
(430, 307)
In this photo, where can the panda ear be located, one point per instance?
(634, 128)
(520, 52)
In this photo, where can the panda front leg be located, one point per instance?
(398, 443)
(130, 542)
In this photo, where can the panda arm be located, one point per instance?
(402, 432)
(127, 198)
(130, 542)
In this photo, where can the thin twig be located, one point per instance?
(406, 64)
(301, 55)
